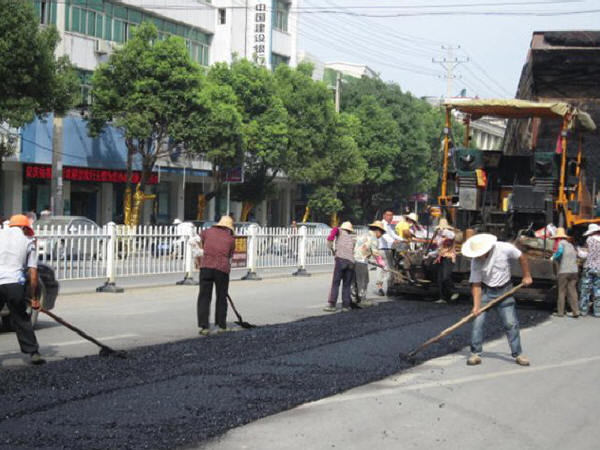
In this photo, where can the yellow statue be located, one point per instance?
(334, 220)
(127, 206)
(201, 206)
(306, 214)
(138, 200)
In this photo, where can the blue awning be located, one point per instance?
(108, 151)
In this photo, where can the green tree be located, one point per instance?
(33, 81)
(160, 100)
(264, 129)
(322, 148)
(397, 138)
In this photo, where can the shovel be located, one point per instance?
(240, 321)
(460, 323)
(105, 350)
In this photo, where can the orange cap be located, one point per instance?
(19, 220)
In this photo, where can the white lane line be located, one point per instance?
(77, 342)
(384, 387)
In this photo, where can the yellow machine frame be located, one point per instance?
(522, 109)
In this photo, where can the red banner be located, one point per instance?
(84, 174)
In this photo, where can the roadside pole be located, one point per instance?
(302, 247)
(252, 250)
(111, 262)
(56, 184)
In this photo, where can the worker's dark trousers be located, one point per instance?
(444, 278)
(14, 296)
(221, 282)
(343, 271)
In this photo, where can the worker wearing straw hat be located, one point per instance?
(218, 244)
(18, 255)
(590, 280)
(490, 278)
(343, 271)
(568, 273)
(367, 248)
(444, 257)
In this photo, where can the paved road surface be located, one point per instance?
(445, 404)
(160, 314)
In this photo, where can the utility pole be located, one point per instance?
(338, 86)
(449, 63)
(56, 183)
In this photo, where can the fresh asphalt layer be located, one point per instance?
(181, 394)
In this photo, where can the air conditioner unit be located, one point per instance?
(103, 47)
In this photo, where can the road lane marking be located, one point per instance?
(77, 342)
(395, 386)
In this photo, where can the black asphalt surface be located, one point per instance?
(180, 394)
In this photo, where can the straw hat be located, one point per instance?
(560, 234)
(443, 225)
(347, 226)
(413, 216)
(377, 224)
(478, 245)
(592, 228)
(226, 222)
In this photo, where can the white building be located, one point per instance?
(90, 30)
(352, 69)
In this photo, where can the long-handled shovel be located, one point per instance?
(240, 321)
(105, 350)
(460, 323)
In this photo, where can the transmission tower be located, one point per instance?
(449, 63)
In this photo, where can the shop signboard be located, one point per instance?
(44, 172)
(240, 253)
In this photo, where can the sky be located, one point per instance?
(401, 48)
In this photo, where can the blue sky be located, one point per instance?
(401, 48)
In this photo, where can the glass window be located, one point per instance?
(118, 30)
(91, 23)
(99, 23)
(281, 16)
(222, 16)
(108, 29)
(75, 18)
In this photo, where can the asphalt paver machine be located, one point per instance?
(510, 196)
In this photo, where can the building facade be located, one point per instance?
(94, 168)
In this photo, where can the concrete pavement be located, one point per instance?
(445, 404)
(164, 313)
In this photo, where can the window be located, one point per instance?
(281, 12)
(44, 12)
(85, 80)
(198, 52)
(278, 59)
(222, 16)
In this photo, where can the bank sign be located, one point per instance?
(43, 172)
(259, 32)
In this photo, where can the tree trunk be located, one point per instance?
(128, 195)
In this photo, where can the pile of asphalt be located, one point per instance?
(182, 393)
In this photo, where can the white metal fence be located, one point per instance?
(114, 251)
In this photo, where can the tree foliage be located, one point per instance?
(322, 144)
(264, 128)
(397, 137)
(160, 99)
(33, 80)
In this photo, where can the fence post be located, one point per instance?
(302, 248)
(111, 262)
(252, 251)
(188, 255)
